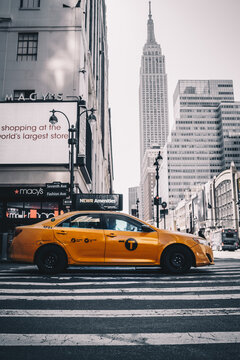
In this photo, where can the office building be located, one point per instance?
(201, 144)
(134, 200)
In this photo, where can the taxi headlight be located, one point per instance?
(202, 241)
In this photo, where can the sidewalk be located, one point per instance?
(227, 254)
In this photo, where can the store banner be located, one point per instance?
(27, 136)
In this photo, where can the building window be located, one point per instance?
(22, 94)
(27, 46)
(29, 4)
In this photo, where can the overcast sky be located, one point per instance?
(200, 40)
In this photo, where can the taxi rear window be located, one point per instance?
(82, 221)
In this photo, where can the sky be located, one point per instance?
(200, 40)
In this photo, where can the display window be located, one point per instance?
(32, 210)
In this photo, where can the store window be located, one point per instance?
(29, 4)
(1, 210)
(27, 46)
(32, 210)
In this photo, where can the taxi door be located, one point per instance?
(127, 244)
(83, 238)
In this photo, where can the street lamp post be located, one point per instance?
(72, 140)
(157, 203)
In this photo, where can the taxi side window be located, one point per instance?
(122, 223)
(83, 221)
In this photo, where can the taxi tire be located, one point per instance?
(51, 259)
(177, 260)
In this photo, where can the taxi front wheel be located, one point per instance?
(51, 259)
(177, 260)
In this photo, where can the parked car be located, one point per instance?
(106, 238)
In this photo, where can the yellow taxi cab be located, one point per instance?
(106, 238)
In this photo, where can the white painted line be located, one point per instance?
(131, 339)
(122, 297)
(101, 283)
(119, 313)
(142, 278)
(122, 290)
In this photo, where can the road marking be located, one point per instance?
(119, 313)
(122, 290)
(131, 339)
(119, 282)
(162, 277)
(122, 297)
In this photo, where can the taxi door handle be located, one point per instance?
(62, 232)
(111, 235)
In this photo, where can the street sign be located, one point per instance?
(57, 185)
(67, 202)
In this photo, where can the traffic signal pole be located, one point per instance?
(157, 203)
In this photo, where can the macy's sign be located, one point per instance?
(29, 191)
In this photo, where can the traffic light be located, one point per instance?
(157, 200)
(164, 204)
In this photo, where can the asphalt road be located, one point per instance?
(120, 313)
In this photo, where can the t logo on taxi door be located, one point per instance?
(131, 244)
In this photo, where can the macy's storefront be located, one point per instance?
(28, 204)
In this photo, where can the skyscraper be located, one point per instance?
(204, 139)
(153, 110)
(153, 96)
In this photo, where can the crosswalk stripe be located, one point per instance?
(116, 276)
(119, 313)
(121, 290)
(119, 282)
(122, 297)
(131, 339)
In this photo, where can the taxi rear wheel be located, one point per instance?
(177, 260)
(51, 259)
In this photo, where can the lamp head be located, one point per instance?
(53, 119)
(159, 157)
(92, 118)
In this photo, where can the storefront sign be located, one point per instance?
(30, 192)
(99, 202)
(42, 97)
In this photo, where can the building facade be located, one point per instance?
(134, 200)
(213, 206)
(148, 179)
(153, 110)
(54, 55)
(203, 141)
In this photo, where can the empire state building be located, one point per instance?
(153, 111)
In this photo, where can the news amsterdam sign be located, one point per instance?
(111, 202)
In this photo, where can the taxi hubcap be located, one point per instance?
(50, 261)
(177, 260)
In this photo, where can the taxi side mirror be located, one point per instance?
(146, 229)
